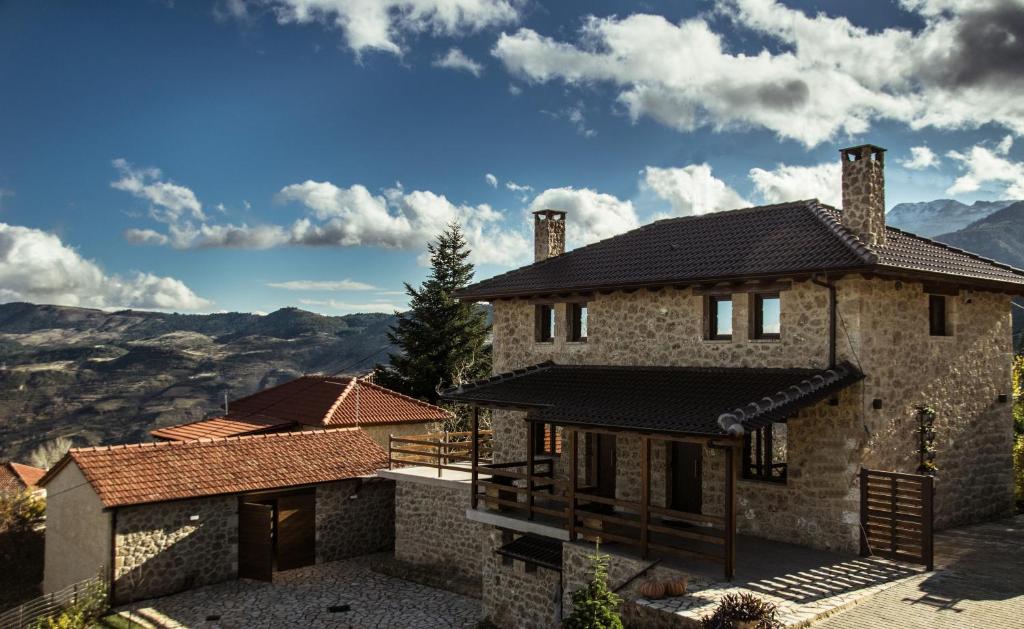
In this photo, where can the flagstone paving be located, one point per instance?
(304, 598)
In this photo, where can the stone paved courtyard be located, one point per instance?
(303, 598)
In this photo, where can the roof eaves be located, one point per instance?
(980, 258)
(452, 393)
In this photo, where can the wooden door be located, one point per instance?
(255, 541)
(604, 458)
(687, 464)
(296, 530)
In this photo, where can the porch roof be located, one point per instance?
(706, 401)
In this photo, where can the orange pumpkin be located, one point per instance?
(676, 587)
(652, 590)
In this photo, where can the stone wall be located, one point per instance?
(161, 549)
(431, 529)
(516, 595)
(354, 517)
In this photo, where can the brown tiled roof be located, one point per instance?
(319, 401)
(172, 470)
(18, 477)
(9, 481)
(685, 400)
(799, 237)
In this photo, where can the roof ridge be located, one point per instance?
(168, 444)
(349, 386)
(845, 236)
(515, 373)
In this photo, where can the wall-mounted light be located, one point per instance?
(193, 518)
(1003, 398)
(876, 403)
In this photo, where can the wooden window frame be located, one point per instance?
(938, 315)
(711, 316)
(757, 461)
(543, 317)
(757, 317)
(574, 321)
(541, 442)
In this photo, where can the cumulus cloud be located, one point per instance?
(382, 25)
(593, 215)
(455, 59)
(823, 77)
(168, 200)
(491, 180)
(36, 266)
(794, 183)
(989, 165)
(691, 189)
(322, 285)
(921, 157)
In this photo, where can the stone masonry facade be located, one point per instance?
(431, 528)
(882, 328)
(160, 549)
(516, 594)
(864, 193)
(354, 517)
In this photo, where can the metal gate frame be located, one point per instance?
(897, 516)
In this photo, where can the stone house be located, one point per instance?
(317, 402)
(163, 517)
(701, 376)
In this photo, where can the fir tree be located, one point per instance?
(442, 340)
(594, 606)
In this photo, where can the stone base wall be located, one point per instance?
(515, 595)
(159, 549)
(354, 517)
(431, 529)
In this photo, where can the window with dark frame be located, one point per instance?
(547, 439)
(937, 323)
(545, 314)
(764, 453)
(719, 316)
(767, 316)
(578, 322)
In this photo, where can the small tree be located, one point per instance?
(594, 606)
(1018, 425)
(21, 511)
(443, 340)
(49, 452)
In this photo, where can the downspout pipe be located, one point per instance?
(832, 315)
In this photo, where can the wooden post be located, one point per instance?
(730, 512)
(645, 492)
(475, 454)
(531, 438)
(928, 521)
(574, 473)
(865, 550)
(391, 438)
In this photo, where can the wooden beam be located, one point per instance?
(645, 492)
(475, 464)
(730, 513)
(531, 446)
(574, 473)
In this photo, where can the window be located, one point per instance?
(547, 439)
(719, 318)
(767, 316)
(545, 323)
(578, 323)
(764, 453)
(937, 324)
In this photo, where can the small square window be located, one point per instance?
(545, 314)
(767, 317)
(764, 453)
(577, 323)
(719, 318)
(937, 320)
(547, 439)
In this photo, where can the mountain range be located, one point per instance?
(942, 216)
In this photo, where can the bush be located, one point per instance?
(1018, 471)
(735, 608)
(21, 546)
(594, 606)
(80, 615)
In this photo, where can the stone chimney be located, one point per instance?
(864, 192)
(548, 234)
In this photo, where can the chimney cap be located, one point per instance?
(548, 213)
(857, 150)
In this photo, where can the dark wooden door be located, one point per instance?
(255, 541)
(604, 458)
(296, 531)
(687, 463)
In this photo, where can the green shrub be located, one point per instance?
(90, 605)
(742, 607)
(594, 606)
(1018, 471)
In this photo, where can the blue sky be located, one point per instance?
(252, 155)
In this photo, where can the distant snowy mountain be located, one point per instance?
(942, 216)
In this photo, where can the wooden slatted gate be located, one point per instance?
(896, 516)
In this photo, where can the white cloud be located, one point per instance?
(382, 25)
(492, 181)
(984, 165)
(514, 89)
(692, 189)
(518, 187)
(794, 183)
(921, 157)
(348, 308)
(36, 266)
(592, 215)
(455, 59)
(823, 77)
(322, 285)
(168, 200)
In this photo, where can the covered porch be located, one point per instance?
(646, 459)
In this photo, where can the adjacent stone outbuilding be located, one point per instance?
(164, 517)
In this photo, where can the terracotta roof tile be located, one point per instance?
(155, 472)
(218, 427)
(17, 477)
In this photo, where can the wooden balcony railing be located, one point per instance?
(441, 450)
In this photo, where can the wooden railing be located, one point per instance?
(441, 450)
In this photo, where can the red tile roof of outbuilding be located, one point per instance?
(18, 477)
(174, 470)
